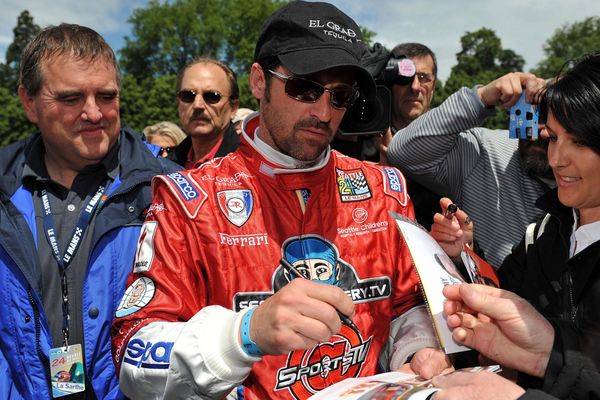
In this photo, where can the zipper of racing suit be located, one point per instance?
(38, 330)
(303, 203)
(303, 196)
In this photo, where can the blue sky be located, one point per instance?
(522, 25)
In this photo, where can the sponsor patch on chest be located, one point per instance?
(352, 185)
(236, 205)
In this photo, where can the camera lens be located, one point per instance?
(365, 111)
(368, 116)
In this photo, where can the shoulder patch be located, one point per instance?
(394, 185)
(144, 253)
(136, 297)
(186, 190)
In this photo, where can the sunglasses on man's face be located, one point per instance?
(209, 97)
(423, 78)
(307, 91)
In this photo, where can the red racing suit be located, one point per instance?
(210, 250)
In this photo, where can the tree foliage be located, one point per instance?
(569, 43)
(14, 125)
(168, 35)
(148, 101)
(481, 60)
(23, 32)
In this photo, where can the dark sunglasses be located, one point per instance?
(422, 77)
(209, 97)
(166, 150)
(305, 90)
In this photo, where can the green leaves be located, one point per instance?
(148, 101)
(167, 36)
(14, 125)
(481, 60)
(569, 43)
(23, 33)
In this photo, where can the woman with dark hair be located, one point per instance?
(556, 267)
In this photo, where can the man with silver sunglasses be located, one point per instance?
(251, 265)
(207, 99)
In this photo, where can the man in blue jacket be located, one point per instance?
(72, 201)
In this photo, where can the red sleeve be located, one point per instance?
(164, 285)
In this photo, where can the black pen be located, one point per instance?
(290, 268)
(450, 210)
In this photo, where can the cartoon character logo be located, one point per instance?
(308, 371)
(316, 259)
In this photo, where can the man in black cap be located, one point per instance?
(277, 267)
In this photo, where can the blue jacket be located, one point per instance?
(24, 334)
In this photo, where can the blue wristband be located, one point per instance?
(248, 345)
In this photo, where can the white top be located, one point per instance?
(583, 236)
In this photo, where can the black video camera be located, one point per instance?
(368, 117)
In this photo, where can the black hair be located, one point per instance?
(573, 97)
(268, 63)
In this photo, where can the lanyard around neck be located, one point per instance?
(64, 260)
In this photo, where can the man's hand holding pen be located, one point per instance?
(294, 272)
(299, 316)
(452, 228)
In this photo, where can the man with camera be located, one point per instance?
(411, 97)
(405, 80)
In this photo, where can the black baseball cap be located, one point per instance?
(308, 37)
